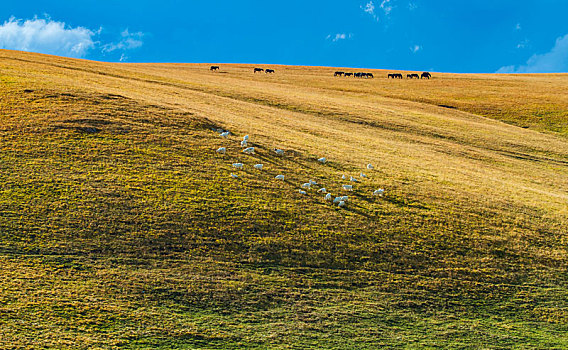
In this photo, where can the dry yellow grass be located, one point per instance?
(464, 174)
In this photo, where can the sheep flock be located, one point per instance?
(340, 201)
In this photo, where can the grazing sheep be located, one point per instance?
(370, 166)
(322, 160)
(379, 192)
(279, 177)
(302, 192)
(238, 165)
(348, 187)
(279, 151)
(307, 185)
(312, 182)
(344, 198)
(337, 200)
(322, 190)
(225, 134)
(343, 177)
(363, 175)
(258, 166)
(244, 143)
(246, 138)
(249, 150)
(353, 179)
(234, 176)
(221, 150)
(328, 197)
(341, 204)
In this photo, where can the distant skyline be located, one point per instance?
(447, 36)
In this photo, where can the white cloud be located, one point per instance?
(46, 36)
(518, 26)
(415, 48)
(554, 61)
(386, 7)
(128, 41)
(370, 9)
(412, 6)
(339, 36)
(57, 38)
(523, 44)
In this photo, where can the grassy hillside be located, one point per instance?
(121, 227)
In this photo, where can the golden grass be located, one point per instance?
(113, 194)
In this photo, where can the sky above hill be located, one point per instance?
(438, 35)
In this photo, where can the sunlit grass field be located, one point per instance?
(121, 227)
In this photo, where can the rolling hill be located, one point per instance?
(121, 227)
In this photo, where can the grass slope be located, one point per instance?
(120, 226)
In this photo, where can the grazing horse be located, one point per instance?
(399, 76)
(269, 71)
(348, 74)
(214, 68)
(258, 70)
(338, 74)
(370, 75)
(426, 75)
(391, 76)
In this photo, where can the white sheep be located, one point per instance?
(279, 151)
(258, 166)
(322, 160)
(221, 150)
(238, 165)
(370, 166)
(379, 192)
(279, 177)
(348, 187)
(234, 176)
(352, 179)
(225, 134)
(328, 197)
(363, 175)
(322, 190)
(343, 177)
(249, 150)
(337, 200)
(307, 185)
(312, 182)
(341, 204)
(302, 192)
(244, 143)
(246, 138)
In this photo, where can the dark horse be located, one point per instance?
(348, 74)
(395, 76)
(258, 70)
(338, 74)
(214, 68)
(269, 71)
(426, 75)
(412, 76)
(370, 75)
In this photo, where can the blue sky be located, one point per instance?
(437, 35)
